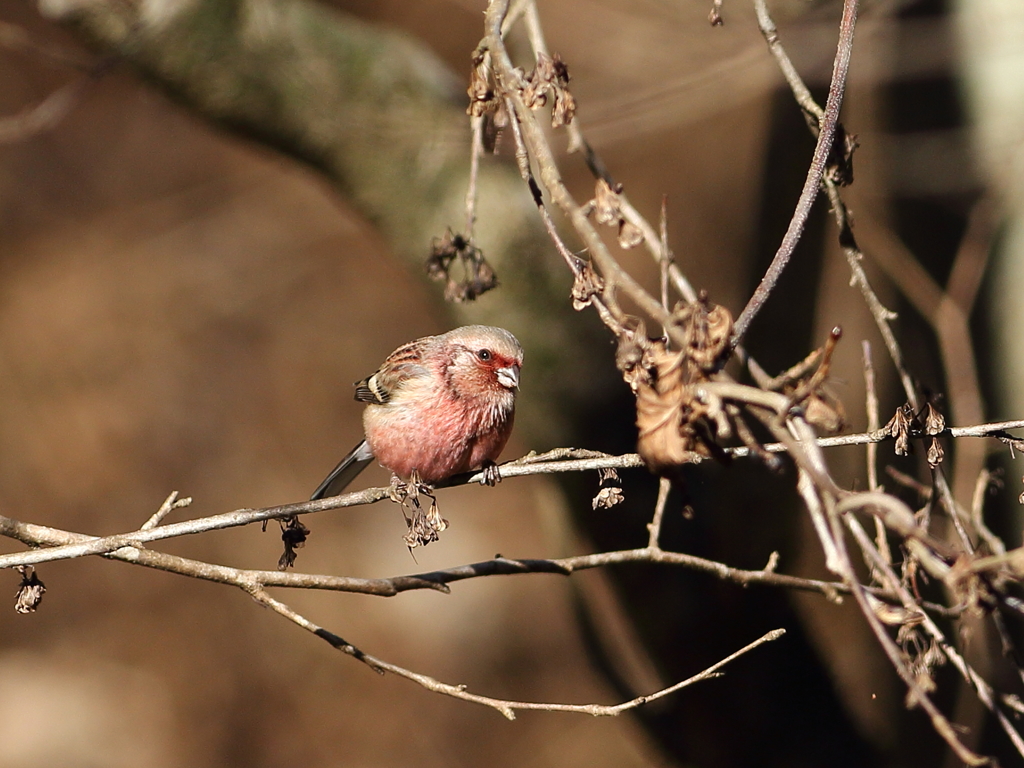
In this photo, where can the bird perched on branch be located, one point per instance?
(437, 406)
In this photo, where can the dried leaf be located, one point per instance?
(715, 16)
(610, 494)
(661, 442)
(673, 422)
(805, 383)
(538, 82)
(564, 108)
(560, 71)
(607, 209)
(676, 417)
(935, 453)
(481, 89)
(893, 615)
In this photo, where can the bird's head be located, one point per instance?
(483, 362)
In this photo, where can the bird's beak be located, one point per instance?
(509, 377)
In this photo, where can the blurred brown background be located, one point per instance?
(184, 309)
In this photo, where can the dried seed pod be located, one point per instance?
(478, 276)
(30, 591)
(609, 497)
(588, 283)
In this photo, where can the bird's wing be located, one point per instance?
(403, 364)
(345, 472)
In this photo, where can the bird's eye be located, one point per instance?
(484, 354)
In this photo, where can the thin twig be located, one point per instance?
(948, 312)
(882, 316)
(666, 256)
(506, 707)
(134, 539)
(985, 692)
(508, 78)
(476, 151)
(654, 527)
(796, 84)
(871, 405)
(896, 657)
(171, 503)
(981, 486)
(826, 135)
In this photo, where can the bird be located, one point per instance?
(437, 406)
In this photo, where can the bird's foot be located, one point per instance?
(492, 475)
(402, 492)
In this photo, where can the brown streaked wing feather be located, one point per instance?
(400, 365)
(368, 392)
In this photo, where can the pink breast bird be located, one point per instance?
(437, 406)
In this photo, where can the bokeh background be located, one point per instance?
(184, 308)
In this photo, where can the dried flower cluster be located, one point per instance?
(610, 492)
(548, 83)
(550, 80)
(607, 209)
(928, 422)
(477, 276)
(425, 525)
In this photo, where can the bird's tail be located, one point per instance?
(345, 472)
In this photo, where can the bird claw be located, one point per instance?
(400, 491)
(492, 475)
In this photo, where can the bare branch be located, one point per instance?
(506, 707)
(826, 135)
(171, 503)
(871, 406)
(59, 543)
(654, 527)
(529, 465)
